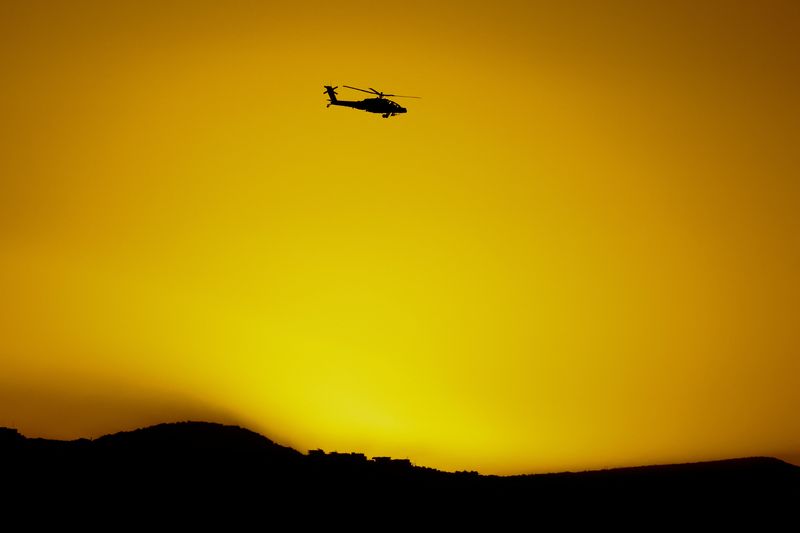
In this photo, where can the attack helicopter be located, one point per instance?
(381, 104)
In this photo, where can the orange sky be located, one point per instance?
(580, 249)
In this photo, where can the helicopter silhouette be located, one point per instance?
(382, 105)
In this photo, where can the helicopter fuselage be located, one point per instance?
(373, 105)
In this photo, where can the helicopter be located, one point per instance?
(381, 104)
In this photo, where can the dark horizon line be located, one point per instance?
(6, 433)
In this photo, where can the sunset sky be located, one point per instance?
(579, 249)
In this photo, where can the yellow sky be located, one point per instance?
(579, 249)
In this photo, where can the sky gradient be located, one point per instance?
(579, 249)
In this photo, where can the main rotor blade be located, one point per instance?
(373, 91)
(357, 89)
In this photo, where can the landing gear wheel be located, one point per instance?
(385, 115)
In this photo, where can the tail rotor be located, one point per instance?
(331, 92)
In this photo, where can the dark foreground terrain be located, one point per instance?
(203, 469)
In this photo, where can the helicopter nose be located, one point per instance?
(403, 110)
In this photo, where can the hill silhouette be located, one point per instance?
(212, 466)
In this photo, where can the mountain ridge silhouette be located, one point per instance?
(197, 436)
(229, 467)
